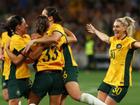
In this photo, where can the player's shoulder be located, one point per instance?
(4, 35)
(26, 36)
(56, 26)
(15, 37)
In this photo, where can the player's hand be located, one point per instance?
(90, 28)
(1, 57)
(28, 46)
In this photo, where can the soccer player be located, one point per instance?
(17, 77)
(118, 78)
(4, 58)
(49, 66)
(5, 65)
(71, 69)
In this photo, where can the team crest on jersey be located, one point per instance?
(118, 46)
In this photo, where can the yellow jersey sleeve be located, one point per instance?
(26, 38)
(131, 41)
(111, 39)
(18, 43)
(55, 28)
(58, 28)
(4, 38)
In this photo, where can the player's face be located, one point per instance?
(23, 27)
(45, 13)
(118, 28)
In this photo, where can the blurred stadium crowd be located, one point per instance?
(76, 14)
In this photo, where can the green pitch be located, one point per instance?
(89, 82)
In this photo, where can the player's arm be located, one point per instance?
(56, 35)
(91, 29)
(35, 53)
(70, 36)
(16, 59)
(136, 44)
(48, 39)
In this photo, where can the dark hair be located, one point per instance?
(2, 26)
(12, 23)
(54, 13)
(42, 24)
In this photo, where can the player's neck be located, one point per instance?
(19, 33)
(121, 37)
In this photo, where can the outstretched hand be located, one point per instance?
(90, 28)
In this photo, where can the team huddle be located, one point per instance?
(56, 71)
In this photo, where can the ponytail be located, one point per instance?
(129, 23)
(131, 26)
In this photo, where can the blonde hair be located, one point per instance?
(129, 23)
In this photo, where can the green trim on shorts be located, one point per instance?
(115, 92)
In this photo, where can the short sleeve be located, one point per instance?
(58, 28)
(131, 42)
(17, 44)
(111, 39)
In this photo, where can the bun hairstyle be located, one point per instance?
(54, 13)
(129, 23)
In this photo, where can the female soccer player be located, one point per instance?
(118, 78)
(5, 64)
(71, 70)
(49, 66)
(17, 76)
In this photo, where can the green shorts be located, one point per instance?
(50, 82)
(115, 92)
(4, 82)
(70, 74)
(18, 88)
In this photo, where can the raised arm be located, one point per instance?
(136, 44)
(70, 36)
(91, 29)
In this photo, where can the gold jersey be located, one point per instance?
(52, 57)
(68, 56)
(6, 63)
(120, 68)
(17, 44)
